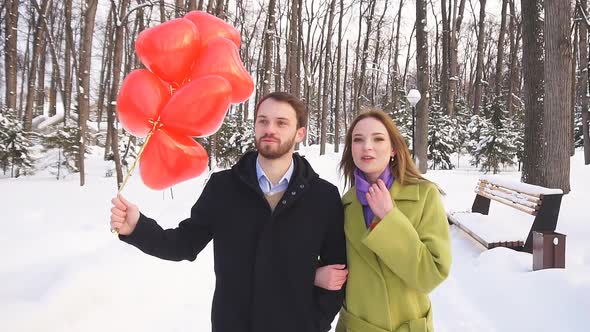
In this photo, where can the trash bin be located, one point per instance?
(548, 250)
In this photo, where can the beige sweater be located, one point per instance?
(274, 199)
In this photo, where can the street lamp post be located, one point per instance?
(413, 97)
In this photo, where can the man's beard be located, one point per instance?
(270, 152)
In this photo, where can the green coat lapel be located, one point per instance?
(354, 226)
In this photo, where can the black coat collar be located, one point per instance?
(302, 178)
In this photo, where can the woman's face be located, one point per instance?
(371, 147)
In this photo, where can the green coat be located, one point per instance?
(393, 267)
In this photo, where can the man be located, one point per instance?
(272, 220)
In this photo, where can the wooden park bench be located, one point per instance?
(542, 203)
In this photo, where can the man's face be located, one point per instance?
(276, 129)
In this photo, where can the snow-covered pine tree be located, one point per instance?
(15, 146)
(460, 123)
(235, 137)
(517, 125)
(65, 139)
(474, 131)
(441, 137)
(495, 146)
(402, 118)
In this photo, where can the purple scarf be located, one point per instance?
(362, 187)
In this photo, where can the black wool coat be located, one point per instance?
(265, 261)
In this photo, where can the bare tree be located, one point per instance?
(533, 170)
(338, 86)
(480, 57)
(396, 70)
(10, 58)
(583, 84)
(327, 82)
(515, 36)
(423, 86)
(89, 15)
(191, 5)
(500, 57)
(454, 55)
(115, 78)
(558, 57)
(269, 36)
(56, 80)
(69, 56)
(446, 52)
(360, 90)
(293, 81)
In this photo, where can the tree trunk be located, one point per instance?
(446, 50)
(37, 48)
(115, 77)
(435, 75)
(574, 101)
(26, 68)
(269, 36)
(292, 83)
(84, 79)
(327, 82)
(395, 96)
(344, 87)
(500, 58)
(40, 90)
(178, 8)
(514, 38)
(423, 86)
(10, 58)
(365, 53)
(277, 65)
(192, 5)
(533, 167)
(162, 12)
(479, 67)
(454, 55)
(68, 56)
(338, 86)
(105, 65)
(408, 57)
(584, 95)
(557, 108)
(56, 72)
(53, 90)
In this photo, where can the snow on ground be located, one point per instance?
(62, 270)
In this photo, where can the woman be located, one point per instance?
(397, 235)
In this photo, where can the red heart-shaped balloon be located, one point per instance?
(141, 97)
(169, 49)
(211, 27)
(199, 107)
(221, 57)
(169, 158)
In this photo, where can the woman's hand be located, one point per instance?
(379, 199)
(331, 277)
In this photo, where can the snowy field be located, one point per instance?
(62, 270)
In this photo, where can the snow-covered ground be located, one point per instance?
(62, 270)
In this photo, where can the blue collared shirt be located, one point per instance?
(266, 185)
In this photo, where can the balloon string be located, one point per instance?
(155, 126)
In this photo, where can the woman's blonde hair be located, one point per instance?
(402, 165)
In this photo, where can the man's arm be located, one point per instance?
(182, 243)
(333, 252)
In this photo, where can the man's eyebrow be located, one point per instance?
(372, 134)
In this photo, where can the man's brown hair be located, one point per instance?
(294, 102)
